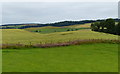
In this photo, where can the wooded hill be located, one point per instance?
(57, 24)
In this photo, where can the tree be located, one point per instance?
(107, 26)
(76, 29)
(110, 25)
(37, 31)
(102, 25)
(92, 27)
(68, 30)
(98, 26)
(118, 28)
(95, 26)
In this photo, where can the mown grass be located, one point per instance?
(79, 58)
(14, 36)
(52, 30)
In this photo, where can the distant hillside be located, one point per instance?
(56, 24)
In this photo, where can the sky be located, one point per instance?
(49, 12)
(59, 0)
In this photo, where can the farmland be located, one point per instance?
(79, 58)
(94, 57)
(25, 37)
(51, 29)
(61, 37)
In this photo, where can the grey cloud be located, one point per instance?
(45, 12)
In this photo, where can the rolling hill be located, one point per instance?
(26, 37)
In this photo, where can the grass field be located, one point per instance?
(51, 29)
(25, 37)
(79, 58)
(96, 57)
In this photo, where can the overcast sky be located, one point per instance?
(46, 12)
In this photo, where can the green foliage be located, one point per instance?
(103, 25)
(95, 26)
(110, 24)
(52, 30)
(118, 28)
(107, 26)
(68, 30)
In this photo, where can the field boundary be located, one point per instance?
(48, 45)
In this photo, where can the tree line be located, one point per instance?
(107, 26)
(56, 24)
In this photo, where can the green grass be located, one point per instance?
(14, 36)
(52, 30)
(79, 58)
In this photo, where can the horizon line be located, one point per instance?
(57, 21)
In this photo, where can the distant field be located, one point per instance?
(26, 37)
(79, 58)
(51, 29)
(37, 28)
(80, 26)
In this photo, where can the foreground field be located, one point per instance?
(14, 36)
(79, 58)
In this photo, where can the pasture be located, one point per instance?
(96, 57)
(80, 58)
(51, 29)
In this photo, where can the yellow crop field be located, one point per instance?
(80, 26)
(36, 28)
(25, 37)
